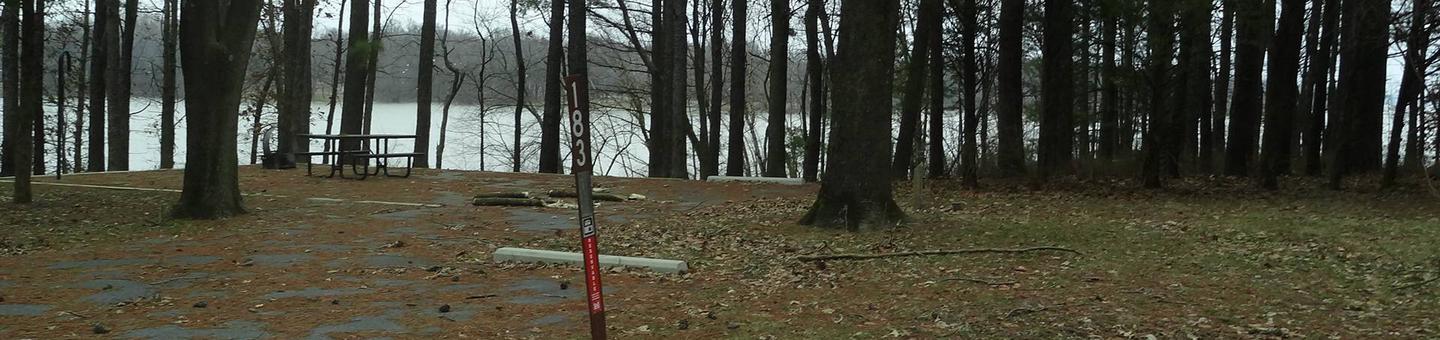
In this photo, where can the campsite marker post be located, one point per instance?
(582, 164)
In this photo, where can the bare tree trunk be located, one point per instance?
(1416, 43)
(78, 133)
(1362, 80)
(11, 88)
(119, 97)
(1162, 21)
(1280, 107)
(62, 68)
(735, 162)
(296, 85)
(425, 85)
(1254, 27)
(377, 43)
(335, 74)
(856, 192)
(679, 102)
(457, 78)
(257, 115)
(1221, 95)
(215, 48)
(717, 93)
(520, 86)
(702, 99)
(1057, 91)
(32, 91)
(815, 72)
(916, 70)
(1009, 98)
(168, 81)
(775, 135)
(100, 52)
(550, 122)
(357, 62)
(1110, 90)
(1323, 66)
(969, 26)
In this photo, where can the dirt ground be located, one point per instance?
(410, 258)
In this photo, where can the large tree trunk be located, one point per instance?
(1109, 90)
(169, 62)
(119, 97)
(32, 91)
(1362, 79)
(1253, 25)
(679, 100)
(1195, 101)
(702, 98)
(520, 86)
(1410, 88)
(100, 52)
(1280, 106)
(335, 73)
(815, 79)
(357, 61)
(1308, 78)
(661, 115)
(550, 122)
(425, 85)
(1057, 90)
(856, 193)
(916, 70)
(775, 153)
(377, 43)
(296, 89)
(10, 49)
(735, 158)
(1323, 67)
(936, 160)
(969, 27)
(717, 92)
(215, 49)
(1010, 98)
(1158, 134)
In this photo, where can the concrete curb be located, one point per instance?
(769, 180)
(547, 256)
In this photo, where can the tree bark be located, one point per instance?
(661, 116)
(335, 73)
(520, 86)
(168, 81)
(775, 158)
(1110, 90)
(457, 79)
(11, 89)
(679, 102)
(215, 49)
(1158, 134)
(357, 62)
(717, 92)
(1253, 25)
(1280, 106)
(119, 87)
(1417, 41)
(1057, 91)
(1010, 98)
(296, 89)
(735, 159)
(1362, 80)
(928, 20)
(32, 91)
(936, 120)
(100, 52)
(1323, 67)
(377, 43)
(815, 77)
(1221, 95)
(1195, 100)
(856, 193)
(969, 27)
(550, 122)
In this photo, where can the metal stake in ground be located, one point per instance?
(581, 164)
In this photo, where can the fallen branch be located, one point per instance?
(931, 252)
(480, 296)
(981, 281)
(508, 202)
(503, 195)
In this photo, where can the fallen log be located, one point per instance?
(503, 195)
(508, 202)
(811, 258)
(596, 196)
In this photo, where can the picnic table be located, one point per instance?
(361, 158)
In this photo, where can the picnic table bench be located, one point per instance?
(359, 159)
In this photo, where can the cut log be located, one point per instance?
(596, 196)
(509, 202)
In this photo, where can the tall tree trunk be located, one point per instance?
(377, 43)
(1057, 90)
(928, 20)
(296, 87)
(1221, 95)
(969, 27)
(257, 113)
(357, 62)
(1417, 41)
(1195, 100)
(1308, 78)
(717, 81)
(1362, 80)
(1158, 135)
(32, 91)
(520, 86)
(168, 80)
(119, 98)
(856, 192)
(335, 74)
(1253, 25)
(679, 100)
(550, 122)
(775, 136)
(1280, 107)
(62, 68)
(457, 79)
(661, 122)
(1010, 98)
(815, 77)
(1082, 84)
(936, 160)
(99, 61)
(1323, 67)
(735, 160)
(425, 85)
(78, 133)
(215, 49)
(11, 88)
(702, 98)
(1110, 90)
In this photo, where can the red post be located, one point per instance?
(582, 164)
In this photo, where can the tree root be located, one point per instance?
(809, 258)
